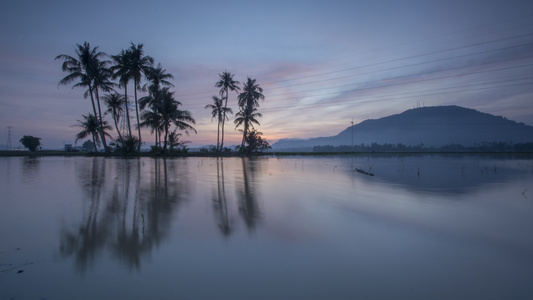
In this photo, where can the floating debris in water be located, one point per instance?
(364, 172)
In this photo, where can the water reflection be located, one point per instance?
(449, 175)
(30, 168)
(220, 202)
(91, 234)
(145, 227)
(248, 205)
(128, 210)
(246, 194)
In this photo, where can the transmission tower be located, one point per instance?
(123, 122)
(9, 146)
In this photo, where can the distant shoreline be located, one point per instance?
(45, 153)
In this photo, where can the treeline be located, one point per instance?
(375, 147)
(246, 117)
(110, 77)
(104, 77)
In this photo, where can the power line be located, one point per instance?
(470, 73)
(187, 95)
(485, 52)
(462, 47)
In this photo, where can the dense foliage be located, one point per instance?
(31, 142)
(159, 111)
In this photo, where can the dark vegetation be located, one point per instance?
(158, 111)
(454, 148)
(31, 142)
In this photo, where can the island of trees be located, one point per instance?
(106, 80)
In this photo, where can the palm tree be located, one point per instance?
(256, 142)
(174, 140)
(90, 126)
(151, 119)
(158, 78)
(121, 71)
(226, 83)
(115, 106)
(86, 66)
(164, 114)
(246, 117)
(101, 82)
(248, 101)
(219, 112)
(251, 94)
(172, 115)
(139, 64)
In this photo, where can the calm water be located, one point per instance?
(424, 227)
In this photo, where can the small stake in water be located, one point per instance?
(142, 215)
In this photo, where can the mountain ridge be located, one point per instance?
(432, 126)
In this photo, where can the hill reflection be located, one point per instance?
(448, 175)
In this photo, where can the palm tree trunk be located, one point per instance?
(94, 142)
(94, 110)
(224, 120)
(244, 136)
(165, 140)
(218, 134)
(137, 112)
(100, 127)
(115, 117)
(127, 110)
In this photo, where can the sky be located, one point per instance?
(322, 64)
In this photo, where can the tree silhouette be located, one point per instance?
(121, 71)
(115, 106)
(101, 81)
(251, 94)
(248, 103)
(158, 78)
(226, 83)
(255, 142)
(139, 64)
(88, 68)
(152, 119)
(246, 117)
(219, 112)
(167, 114)
(30, 142)
(90, 126)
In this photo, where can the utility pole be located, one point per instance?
(8, 144)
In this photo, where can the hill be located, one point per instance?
(435, 126)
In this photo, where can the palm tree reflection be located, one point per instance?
(134, 215)
(91, 234)
(248, 206)
(220, 203)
